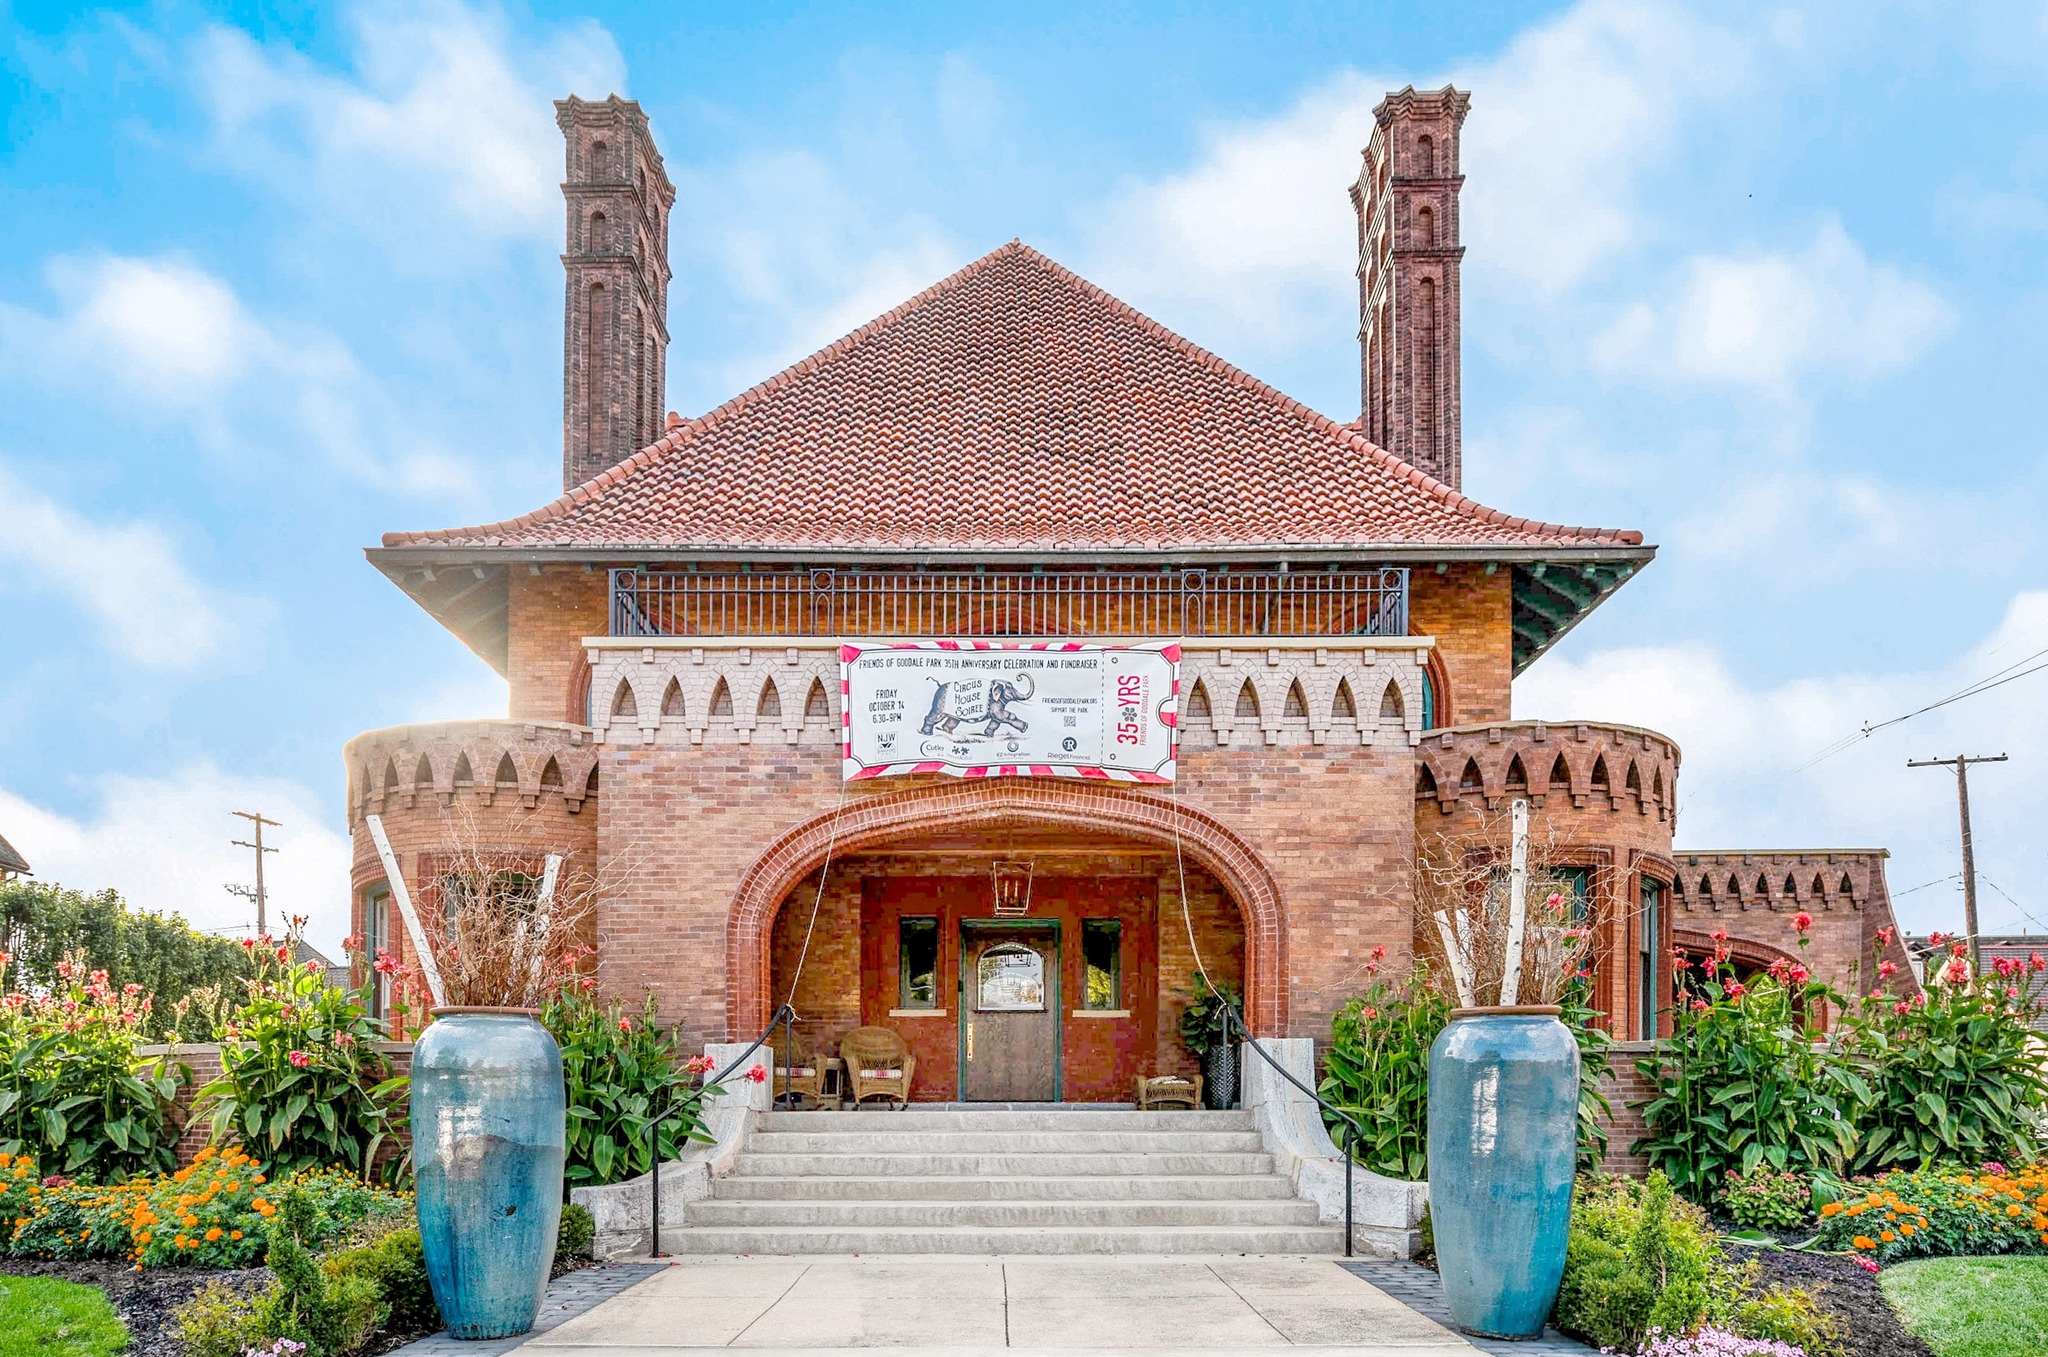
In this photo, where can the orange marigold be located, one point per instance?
(1864, 1241)
(1831, 1209)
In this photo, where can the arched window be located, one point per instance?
(1428, 700)
(1425, 227)
(1425, 156)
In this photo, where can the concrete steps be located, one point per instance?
(1030, 1180)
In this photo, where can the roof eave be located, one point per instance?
(417, 555)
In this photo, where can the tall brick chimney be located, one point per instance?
(615, 318)
(1408, 255)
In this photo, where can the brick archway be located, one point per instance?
(869, 822)
(1747, 954)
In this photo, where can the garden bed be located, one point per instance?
(1848, 1292)
(147, 1301)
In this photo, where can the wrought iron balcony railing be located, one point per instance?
(1010, 603)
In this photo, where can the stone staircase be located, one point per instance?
(1041, 1180)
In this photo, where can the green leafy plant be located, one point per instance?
(396, 1268)
(621, 1071)
(1639, 1261)
(1744, 1080)
(1595, 1063)
(1768, 1199)
(1377, 1069)
(75, 1092)
(1949, 1073)
(302, 1082)
(1205, 1023)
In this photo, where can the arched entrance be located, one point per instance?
(1106, 893)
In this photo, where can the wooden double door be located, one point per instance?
(1057, 1006)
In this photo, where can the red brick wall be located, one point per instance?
(549, 615)
(1626, 1091)
(1755, 895)
(1471, 615)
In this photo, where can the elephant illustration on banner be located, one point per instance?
(978, 701)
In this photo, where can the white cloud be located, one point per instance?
(167, 334)
(1565, 122)
(128, 577)
(166, 845)
(1749, 780)
(804, 258)
(1767, 320)
(1257, 237)
(443, 109)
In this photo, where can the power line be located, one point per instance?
(1997, 679)
(1926, 885)
(2024, 911)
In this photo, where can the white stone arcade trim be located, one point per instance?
(693, 690)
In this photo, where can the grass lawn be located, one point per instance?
(1973, 1307)
(49, 1318)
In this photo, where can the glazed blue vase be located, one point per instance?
(1503, 1137)
(489, 1118)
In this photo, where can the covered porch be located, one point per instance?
(1017, 963)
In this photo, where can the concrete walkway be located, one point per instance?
(959, 1306)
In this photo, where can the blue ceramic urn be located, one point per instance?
(489, 1116)
(1503, 1135)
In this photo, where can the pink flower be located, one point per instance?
(699, 1064)
(1887, 969)
(1885, 935)
(385, 964)
(1719, 935)
(1936, 938)
(1956, 972)
(1800, 975)
(284, 954)
(625, 1024)
(757, 1074)
(1700, 1005)
(1368, 1011)
(1867, 1264)
(299, 1059)
(1901, 1010)
(1802, 922)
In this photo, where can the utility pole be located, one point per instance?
(256, 819)
(1961, 763)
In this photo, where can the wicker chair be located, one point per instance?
(1167, 1090)
(878, 1065)
(798, 1076)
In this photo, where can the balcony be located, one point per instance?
(1160, 603)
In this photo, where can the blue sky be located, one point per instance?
(1769, 284)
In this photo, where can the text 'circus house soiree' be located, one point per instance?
(982, 674)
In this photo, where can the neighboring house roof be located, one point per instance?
(1014, 407)
(12, 862)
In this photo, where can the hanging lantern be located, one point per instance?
(1012, 883)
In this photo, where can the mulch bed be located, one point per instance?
(146, 1301)
(1841, 1287)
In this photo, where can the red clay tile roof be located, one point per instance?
(1013, 407)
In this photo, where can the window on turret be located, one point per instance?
(1652, 901)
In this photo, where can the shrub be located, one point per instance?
(1934, 1213)
(1947, 1075)
(576, 1233)
(1377, 1069)
(46, 925)
(621, 1072)
(331, 1314)
(218, 1322)
(1743, 1081)
(1640, 1263)
(73, 1091)
(1767, 1199)
(353, 1291)
(302, 1082)
(397, 1268)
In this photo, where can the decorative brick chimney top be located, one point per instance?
(1408, 256)
(615, 317)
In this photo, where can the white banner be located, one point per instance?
(1011, 709)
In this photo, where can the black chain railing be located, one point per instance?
(1352, 1130)
(784, 1016)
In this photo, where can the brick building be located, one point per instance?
(1009, 458)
